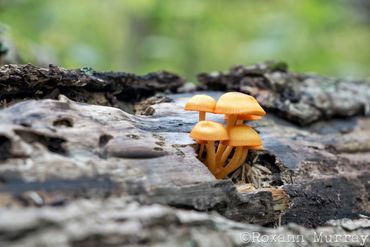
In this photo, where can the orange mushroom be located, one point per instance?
(240, 119)
(226, 153)
(245, 153)
(201, 103)
(209, 131)
(228, 150)
(240, 137)
(233, 104)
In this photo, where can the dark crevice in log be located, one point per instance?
(53, 144)
(104, 139)
(66, 122)
(5, 147)
(334, 198)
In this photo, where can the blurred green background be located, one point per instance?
(190, 36)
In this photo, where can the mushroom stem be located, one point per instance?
(211, 161)
(230, 122)
(224, 156)
(202, 116)
(232, 165)
(239, 122)
(201, 149)
(244, 156)
(220, 150)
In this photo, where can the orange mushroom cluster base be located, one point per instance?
(226, 145)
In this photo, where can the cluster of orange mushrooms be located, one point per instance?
(226, 145)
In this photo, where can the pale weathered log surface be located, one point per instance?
(66, 150)
(123, 222)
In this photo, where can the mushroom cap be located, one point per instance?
(209, 131)
(200, 102)
(243, 136)
(238, 103)
(259, 147)
(245, 117)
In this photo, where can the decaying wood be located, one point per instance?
(123, 222)
(70, 165)
(66, 150)
(300, 98)
(324, 167)
(118, 89)
(111, 152)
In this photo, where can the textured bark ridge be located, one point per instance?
(90, 174)
(123, 222)
(55, 151)
(300, 98)
(118, 89)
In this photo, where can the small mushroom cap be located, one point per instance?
(200, 102)
(246, 117)
(209, 131)
(238, 103)
(243, 136)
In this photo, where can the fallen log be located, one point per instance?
(57, 152)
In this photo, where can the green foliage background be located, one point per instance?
(189, 36)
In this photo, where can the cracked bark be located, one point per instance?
(64, 153)
(298, 97)
(118, 89)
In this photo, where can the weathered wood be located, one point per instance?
(325, 167)
(57, 152)
(103, 143)
(118, 89)
(123, 222)
(71, 150)
(298, 97)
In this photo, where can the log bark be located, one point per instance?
(298, 97)
(124, 222)
(60, 155)
(118, 89)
